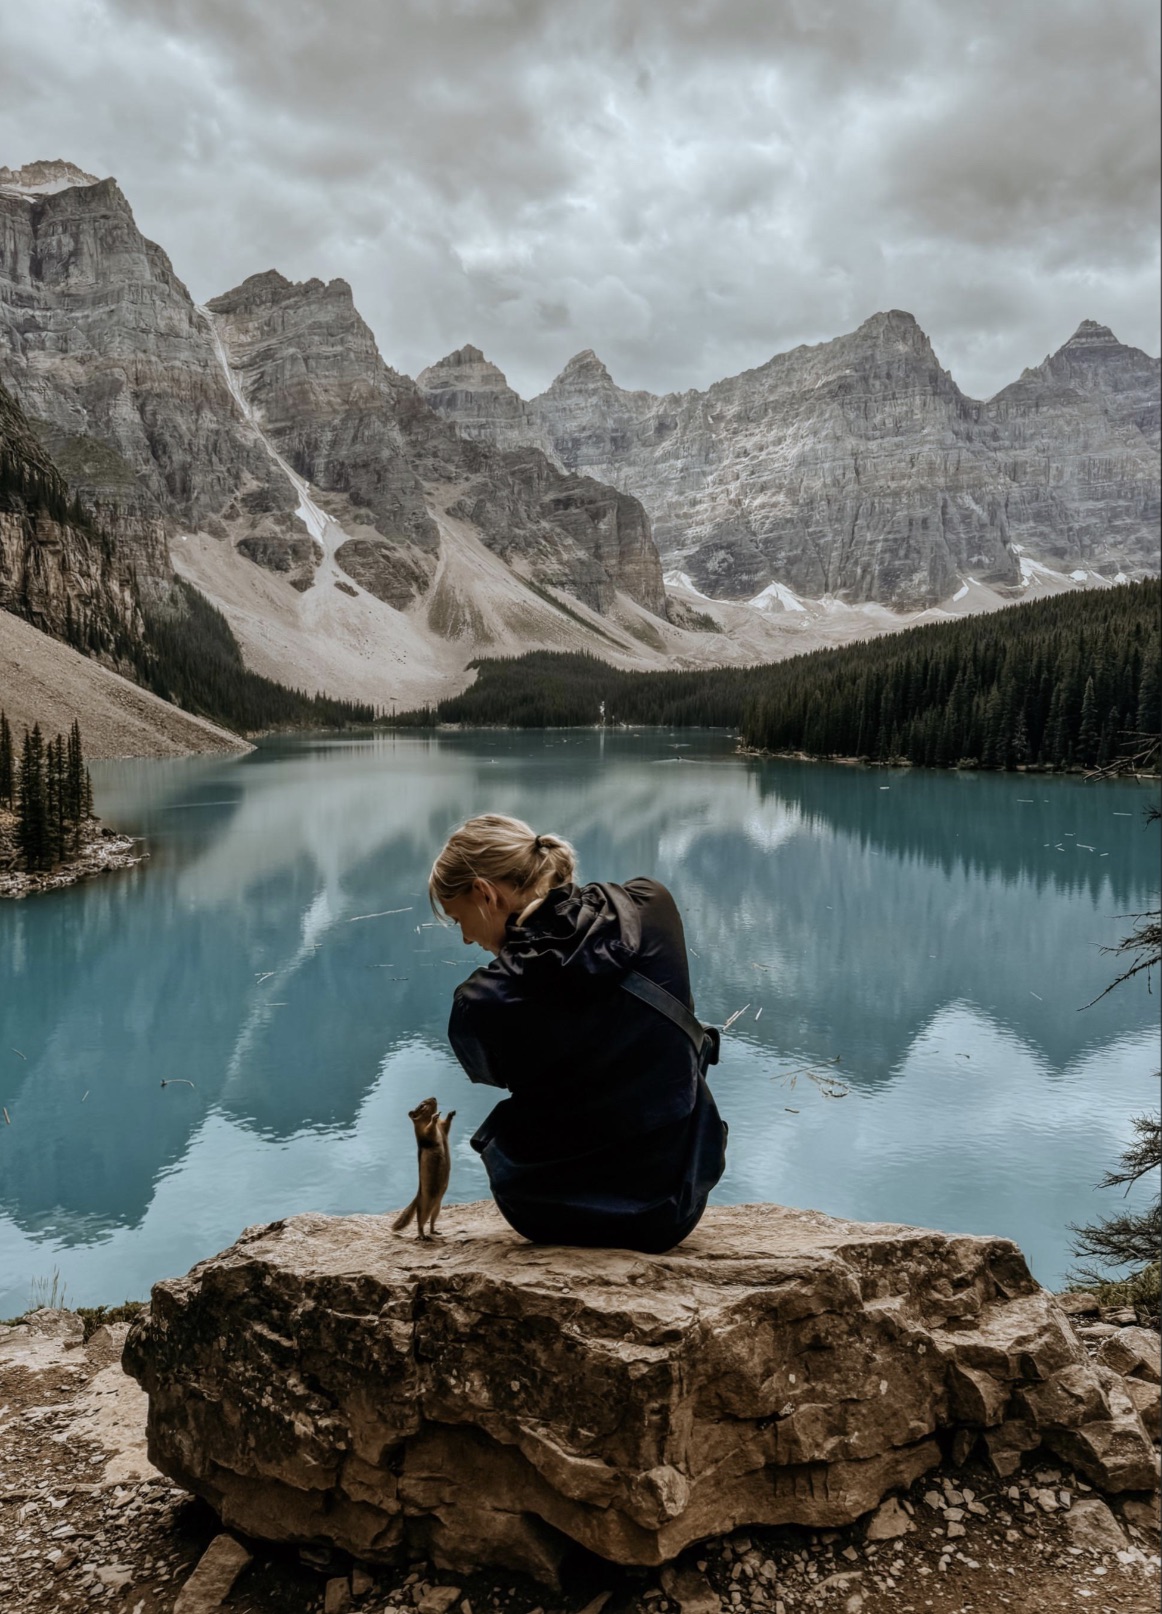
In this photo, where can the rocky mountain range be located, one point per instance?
(263, 434)
(857, 468)
(368, 535)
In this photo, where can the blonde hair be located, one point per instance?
(496, 847)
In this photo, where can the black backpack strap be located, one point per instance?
(666, 1003)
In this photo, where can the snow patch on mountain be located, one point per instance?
(44, 178)
(777, 594)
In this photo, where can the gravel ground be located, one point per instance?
(86, 1523)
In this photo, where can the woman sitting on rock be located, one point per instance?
(610, 1136)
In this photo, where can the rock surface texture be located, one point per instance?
(262, 449)
(57, 570)
(1078, 438)
(162, 414)
(857, 467)
(480, 1400)
(104, 349)
(307, 364)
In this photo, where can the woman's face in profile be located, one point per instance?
(481, 914)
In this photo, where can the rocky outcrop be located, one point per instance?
(42, 178)
(308, 366)
(58, 570)
(856, 468)
(1079, 440)
(100, 340)
(465, 388)
(608, 541)
(480, 1400)
(169, 418)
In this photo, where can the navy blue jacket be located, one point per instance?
(610, 1135)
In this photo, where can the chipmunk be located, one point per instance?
(435, 1166)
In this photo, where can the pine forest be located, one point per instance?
(1061, 683)
(47, 789)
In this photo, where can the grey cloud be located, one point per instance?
(686, 186)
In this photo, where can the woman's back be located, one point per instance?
(610, 1135)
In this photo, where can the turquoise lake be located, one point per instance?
(925, 943)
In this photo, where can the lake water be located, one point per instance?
(926, 941)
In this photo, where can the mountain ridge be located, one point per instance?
(857, 467)
(369, 534)
(211, 438)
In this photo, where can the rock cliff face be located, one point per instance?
(307, 365)
(480, 1400)
(171, 419)
(466, 388)
(1079, 440)
(857, 468)
(100, 341)
(57, 569)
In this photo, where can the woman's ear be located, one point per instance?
(484, 891)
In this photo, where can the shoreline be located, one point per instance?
(102, 851)
(897, 763)
(743, 750)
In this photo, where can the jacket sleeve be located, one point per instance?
(470, 1042)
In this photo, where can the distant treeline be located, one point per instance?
(48, 788)
(190, 657)
(1061, 682)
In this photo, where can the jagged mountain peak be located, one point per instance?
(461, 363)
(1094, 361)
(1093, 344)
(45, 177)
(1090, 331)
(462, 355)
(270, 287)
(583, 367)
(896, 324)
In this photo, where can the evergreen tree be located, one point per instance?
(77, 791)
(1005, 690)
(31, 803)
(1087, 730)
(1019, 750)
(1148, 718)
(54, 807)
(7, 763)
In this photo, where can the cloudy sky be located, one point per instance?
(686, 186)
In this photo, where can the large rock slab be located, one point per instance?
(484, 1400)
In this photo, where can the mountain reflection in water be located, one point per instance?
(929, 938)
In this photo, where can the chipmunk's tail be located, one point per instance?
(405, 1216)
